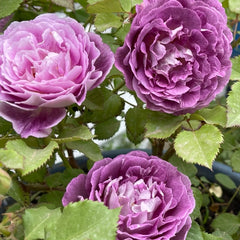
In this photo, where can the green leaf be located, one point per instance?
(88, 148)
(9, 6)
(71, 133)
(104, 21)
(11, 159)
(103, 105)
(5, 126)
(200, 146)
(233, 106)
(207, 236)
(186, 168)
(53, 197)
(223, 235)
(135, 124)
(234, 6)
(198, 203)
(235, 161)
(37, 219)
(105, 6)
(216, 115)
(85, 220)
(17, 193)
(162, 125)
(126, 5)
(62, 178)
(235, 74)
(5, 182)
(106, 129)
(64, 3)
(123, 31)
(225, 181)
(194, 232)
(227, 222)
(32, 158)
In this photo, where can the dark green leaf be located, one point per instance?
(135, 124)
(225, 181)
(161, 125)
(227, 222)
(106, 129)
(88, 148)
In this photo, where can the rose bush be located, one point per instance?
(156, 199)
(45, 65)
(176, 56)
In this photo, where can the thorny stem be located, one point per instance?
(41, 187)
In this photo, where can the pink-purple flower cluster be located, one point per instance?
(176, 56)
(47, 64)
(155, 198)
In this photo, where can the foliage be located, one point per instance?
(202, 137)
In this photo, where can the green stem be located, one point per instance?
(63, 157)
(157, 147)
(232, 198)
(169, 153)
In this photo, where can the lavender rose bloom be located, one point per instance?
(156, 199)
(47, 64)
(177, 54)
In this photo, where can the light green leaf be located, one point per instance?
(162, 125)
(216, 115)
(225, 181)
(88, 148)
(233, 106)
(32, 158)
(5, 182)
(104, 21)
(64, 3)
(9, 6)
(85, 220)
(11, 159)
(106, 129)
(200, 146)
(227, 222)
(71, 133)
(37, 219)
(123, 31)
(105, 6)
(234, 6)
(235, 74)
(135, 124)
(126, 5)
(235, 161)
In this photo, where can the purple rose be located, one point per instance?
(47, 64)
(176, 56)
(156, 199)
